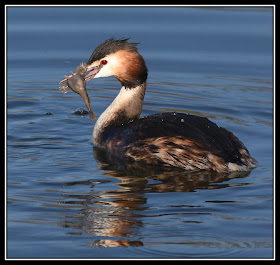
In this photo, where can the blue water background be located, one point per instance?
(64, 202)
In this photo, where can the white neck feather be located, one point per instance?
(128, 102)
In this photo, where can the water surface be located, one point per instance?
(66, 199)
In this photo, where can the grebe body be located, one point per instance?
(168, 139)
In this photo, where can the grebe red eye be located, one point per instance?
(104, 62)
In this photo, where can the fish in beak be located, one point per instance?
(76, 82)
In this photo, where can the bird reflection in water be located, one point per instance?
(113, 217)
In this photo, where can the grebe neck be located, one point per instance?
(127, 106)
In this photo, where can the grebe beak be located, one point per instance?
(93, 70)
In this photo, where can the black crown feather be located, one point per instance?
(111, 46)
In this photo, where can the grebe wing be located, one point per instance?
(181, 140)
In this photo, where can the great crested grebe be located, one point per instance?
(169, 139)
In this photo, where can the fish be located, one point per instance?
(76, 82)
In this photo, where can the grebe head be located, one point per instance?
(120, 59)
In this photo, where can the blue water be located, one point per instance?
(64, 200)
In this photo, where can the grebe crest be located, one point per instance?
(120, 59)
(168, 139)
